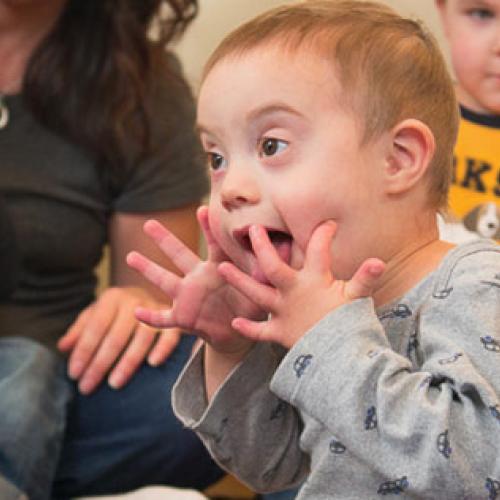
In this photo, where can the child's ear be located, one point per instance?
(410, 153)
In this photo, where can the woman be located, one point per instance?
(96, 137)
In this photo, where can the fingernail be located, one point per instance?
(86, 386)
(254, 230)
(115, 380)
(153, 361)
(75, 369)
(376, 269)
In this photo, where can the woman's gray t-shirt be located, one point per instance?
(60, 205)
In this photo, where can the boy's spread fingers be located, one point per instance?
(262, 295)
(253, 330)
(202, 216)
(318, 254)
(276, 271)
(162, 278)
(207, 234)
(364, 279)
(137, 261)
(157, 319)
(184, 258)
(214, 251)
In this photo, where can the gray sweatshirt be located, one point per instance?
(403, 400)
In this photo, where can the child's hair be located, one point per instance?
(389, 68)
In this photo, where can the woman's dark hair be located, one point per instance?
(91, 77)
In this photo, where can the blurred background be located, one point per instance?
(217, 17)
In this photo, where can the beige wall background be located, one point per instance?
(217, 17)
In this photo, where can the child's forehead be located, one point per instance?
(250, 89)
(304, 63)
(270, 71)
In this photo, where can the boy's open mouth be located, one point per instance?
(281, 240)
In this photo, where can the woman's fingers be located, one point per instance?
(84, 350)
(133, 356)
(107, 351)
(166, 342)
(70, 338)
(97, 324)
(364, 280)
(183, 258)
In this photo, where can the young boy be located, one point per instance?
(473, 31)
(346, 347)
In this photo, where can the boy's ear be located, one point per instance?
(410, 153)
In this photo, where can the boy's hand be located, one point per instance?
(297, 299)
(202, 302)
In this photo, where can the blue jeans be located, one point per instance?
(34, 395)
(280, 495)
(56, 443)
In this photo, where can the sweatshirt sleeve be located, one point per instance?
(246, 428)
(438, 426)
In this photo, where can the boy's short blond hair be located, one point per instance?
(390, 68)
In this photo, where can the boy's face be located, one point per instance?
(282, 153)
(473, 31)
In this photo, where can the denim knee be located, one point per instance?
(120, 440)
(34, 395)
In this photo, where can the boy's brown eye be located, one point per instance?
(271, 146)
(215, 161)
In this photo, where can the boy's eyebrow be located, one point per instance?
(272, 108)
(200, 129)
(260, 112)
(475, 3)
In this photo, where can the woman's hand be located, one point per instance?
(106, 338)
(203, 303)
(297, 299)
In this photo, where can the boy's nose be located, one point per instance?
(239, 188)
